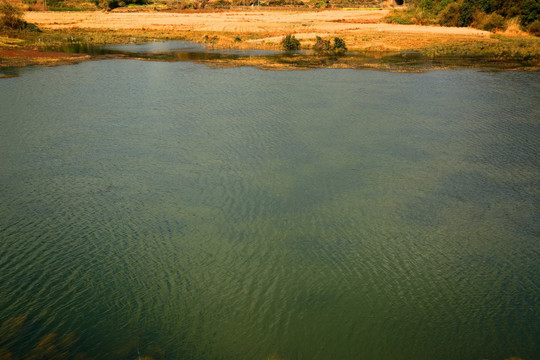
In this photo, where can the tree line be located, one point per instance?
(485, 14)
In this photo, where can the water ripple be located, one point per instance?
(172, 211)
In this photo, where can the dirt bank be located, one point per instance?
(20, 58)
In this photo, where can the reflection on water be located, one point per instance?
(157, 48)
(175, 47)
(169, 210)
(389, 61)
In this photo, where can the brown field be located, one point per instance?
(361, 29)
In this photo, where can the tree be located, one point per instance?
(290, 43)
(530, 12)
(12, 17)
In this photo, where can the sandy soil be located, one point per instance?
(305, 24)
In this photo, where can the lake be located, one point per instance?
(178, 211)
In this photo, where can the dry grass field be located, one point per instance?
(361, 29)
(253, 28)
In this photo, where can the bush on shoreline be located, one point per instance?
(322, 45)
(325, 46)
(290, 43)
(12, 18)
(339, 45)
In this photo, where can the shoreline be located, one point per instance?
(362, 30)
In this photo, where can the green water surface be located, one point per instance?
(180, 212)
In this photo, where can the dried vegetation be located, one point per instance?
(361, 31)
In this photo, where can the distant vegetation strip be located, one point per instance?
(198, 4)
(487, 15)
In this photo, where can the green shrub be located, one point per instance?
(322, 45)
(399, 17)
(534, 28)
(290, 43)
(450, 15)
(12, 17)
(489, 22)
(446, 11)
(467, 9)
(530, 12)
(31, 27)
(321, 4)
(107, 4)
(426, 5)
(220, 4)
(55, 3)
(339, 45)
(113, 4)
(511, 12)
